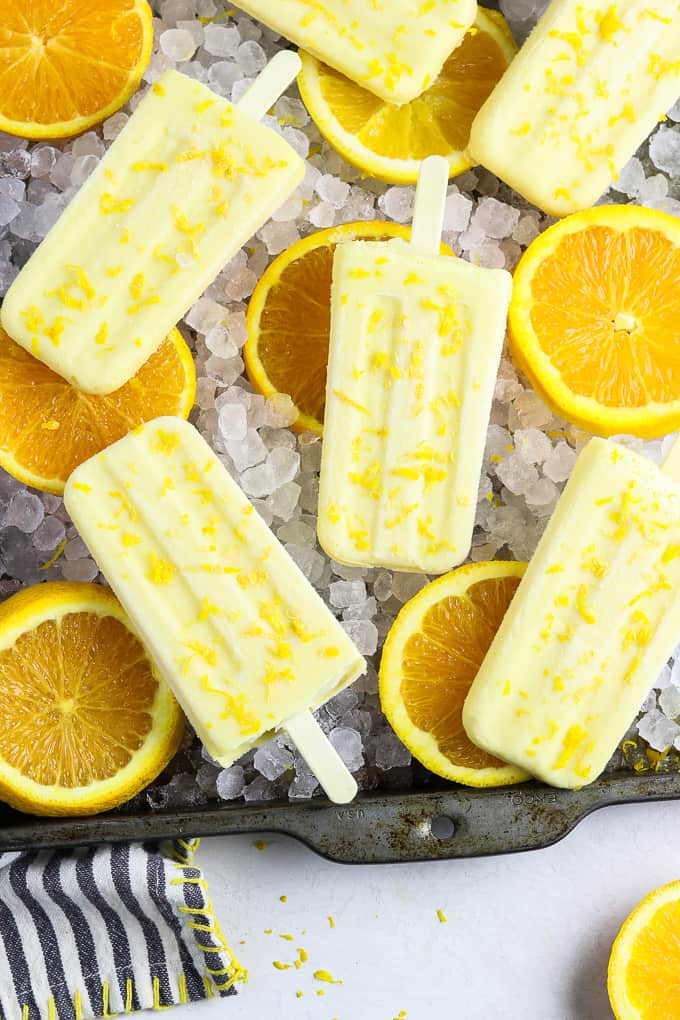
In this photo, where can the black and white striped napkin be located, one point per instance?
(96, 931)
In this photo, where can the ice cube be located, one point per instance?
(542, 493)
(13, 188)
(398, 204)
(205, 315)
(89, 144)
(82, 168)
(205, 393)
(221, 40)
(278, 236)
(365, 610)
(75, 548)
(9, 210)
(559, 465)
(333, 190)
(527, 229)
(178, 44)
(232, 422)
(260, 789)
(657, 730)
(516, 474)
(16, 163)
(347, 593)
(49, 534)
(405, 586)
(79, 570)
(272, 760)
(284, 465)
(230, 783)
(258, 480)
(284, 501)
(303, 786)
(222, 77)
(532, 445)
(247, 452)
(280, 411)
(341, 704)
(531, 410)
(363, 633)
(251, 58)
(390, 753)
(457, 211)
(25, 512)
(669, 701)
(495, 218)
(43, 159)
(349, 745)
(664, 150)
(382, 586)
(322, 215)
(631, 179)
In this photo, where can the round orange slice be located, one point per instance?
(595, 319)
(431, 656)
(48, 428)
(66, 65)
(645, 960)
(389, 142)
(85, 720)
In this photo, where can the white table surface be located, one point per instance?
(527, 938)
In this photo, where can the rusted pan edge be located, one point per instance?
(374, 829)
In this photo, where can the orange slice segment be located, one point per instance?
(645, 959)
(48, 428)
(289, 319)
(85, 720)
(594, 319)
(431, 656)
(66, 65)
(389, 142)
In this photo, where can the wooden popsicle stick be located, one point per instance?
(428, 211)
(322, 758)
(270, 83)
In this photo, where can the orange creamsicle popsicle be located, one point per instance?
(416, 338)
(588, 86)
(591, 625)
(394, 49)
(186, 183)
(242, 638)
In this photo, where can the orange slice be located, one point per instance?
(48, 428)
(85, 720)
(645, 960)
(594, 319)
(431, 656)
(289, 319)
(66, 65)
(389, 142)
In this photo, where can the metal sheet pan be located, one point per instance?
(376, 828)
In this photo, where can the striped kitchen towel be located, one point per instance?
(101, 930)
